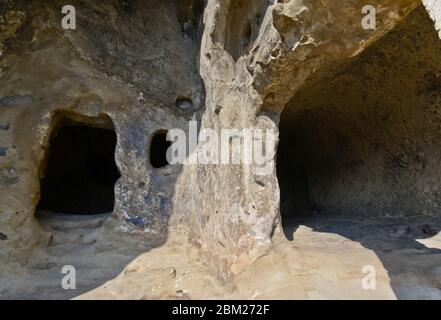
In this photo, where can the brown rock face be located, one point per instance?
(114, 73)
(84, 116)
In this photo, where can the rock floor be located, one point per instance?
(322, 259)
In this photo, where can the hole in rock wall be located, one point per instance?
(80, 172)
(184, 103)
(158, 150)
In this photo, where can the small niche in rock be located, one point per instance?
(184, 103)
(246, 34)
(158, 149)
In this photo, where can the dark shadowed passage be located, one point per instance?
(81, 171)
(360, 140)
(158, 150)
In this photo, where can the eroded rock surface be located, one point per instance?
(357, 112)
(115, 65)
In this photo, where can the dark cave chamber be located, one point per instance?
(80, 172)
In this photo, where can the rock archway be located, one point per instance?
(296, 42)
(361, 140)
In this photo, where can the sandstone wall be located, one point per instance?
(135, 62)
(295, 40)
(365, 135)
(152, 65)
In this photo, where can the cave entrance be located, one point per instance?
(80, 172)
(356, 140)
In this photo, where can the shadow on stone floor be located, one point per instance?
(409, 263)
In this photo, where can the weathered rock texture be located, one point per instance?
(364, 122)
(361, 139)
(294, 40)
(134, 62)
